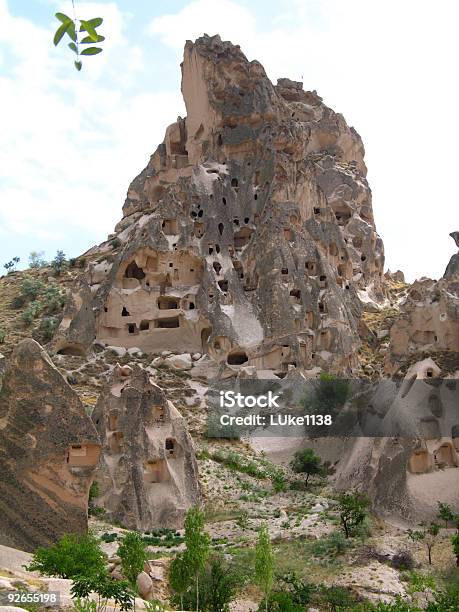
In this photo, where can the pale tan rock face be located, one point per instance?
(49, 450)
(250, 234)
(148, 475)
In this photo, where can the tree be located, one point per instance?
(36, 260)
(445, 513)
(133, 554)
(264, 563)
(455, 543)
(73, 555)
(59, 263)
(106, 588)
(179, 576)
(81, 33)
(197, 543)
(352, 511)
(305, 461)
(427, 535)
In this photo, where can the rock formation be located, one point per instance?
(148, 475)
(249, 236)
(49, 450)
(428, 318)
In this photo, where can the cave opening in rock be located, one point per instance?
(237, 358)
(168, 323)
(133, 271)
(168, 303)
(125, 312)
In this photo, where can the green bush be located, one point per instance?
(53, 299)
(47, 328)
(31, 312)
(133, 554)
(331, 546)
(280, 602)
(31, 288)
(73, 555)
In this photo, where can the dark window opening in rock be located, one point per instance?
(435, 338)
(246, 220)
(193, 214)
(171, 265)
(347, 287)
(236, 221)
(105, 309)
(167, 303)
(144, 325)
(170, 227)
(321, 307)
(363, 257)
(221, 228)
(296, 294)
(284, 271)
(125, 312)
(224, 201)
(235, 183)
(217, 266)
(133, 271)
(217, 248)
(310, 267)
(316, 211)
(219, 140)
(211, 297)
(255, 196)
(429, 373)
(237, 358)
(132, 328)
(191, 306)
(200, 213)
(211, 250)
(169, 445)
(74, 350)
(169, 323)
(323, 281)
(223, 284)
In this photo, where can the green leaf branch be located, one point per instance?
(81, 33)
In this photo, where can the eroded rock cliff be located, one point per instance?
(249, 235)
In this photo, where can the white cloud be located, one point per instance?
(388, 66)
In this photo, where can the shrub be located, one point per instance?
(31, 312)
(115, 243)
(53, 299)
(331, 546)
(280, 602)
(403, 560)
(352, 511)
(47, 328)
(59, 263)
(106, 589)
(73, 555)
(31, 288)
(306, 462)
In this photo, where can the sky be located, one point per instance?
(70, 143)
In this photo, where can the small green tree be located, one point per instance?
(73, 555)
(445, 513)
(455, 543)
(197, 543)
(264, 563)
(59, 263)
(133, 554)
(179, 576)
(352, 510)
(306, 462)
(36, 260)
(427, 535)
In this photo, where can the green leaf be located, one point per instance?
(91, 51)
(78, 65)
(61, 30)
(95, 22)
(87, 39)
(73, 46)
(86, 26)
(72, 32)
(62, 17)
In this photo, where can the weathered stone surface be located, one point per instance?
(148, 475)
(452, 268)
(49, 450)
(250, 235)
(76, 330)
